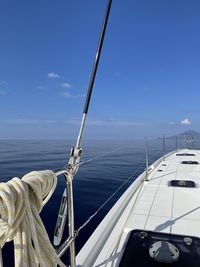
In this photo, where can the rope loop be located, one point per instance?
(21, 201)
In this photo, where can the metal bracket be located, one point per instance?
(74, 160)
(70, 204)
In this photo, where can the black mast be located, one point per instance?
(98, 54)
(93, 74)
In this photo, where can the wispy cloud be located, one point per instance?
(186, 121)
(2, 92)
(74, 121)
(40, 87)
(115, 122)
(3, 83)
(77, 121)
(69, 95)
(30, 121)
(23, 121)
(108, 122)
(53, 75)
(3, 87)
(66, 85)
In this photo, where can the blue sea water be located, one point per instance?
(93, 184)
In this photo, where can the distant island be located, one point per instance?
(190, 134)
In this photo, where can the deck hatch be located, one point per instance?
(182, 183)
(185, 154)
(190, 162)
(137, 249)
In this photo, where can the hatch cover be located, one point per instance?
(138, 249)
(185, 154)
(190, 162)
(182, 183)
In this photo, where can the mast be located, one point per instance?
(76, 152)
(93, 74)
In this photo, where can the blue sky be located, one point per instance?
(148, 81)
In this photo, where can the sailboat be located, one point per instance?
(154, 223)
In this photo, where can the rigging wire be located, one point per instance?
(101, 207)
(98, 156)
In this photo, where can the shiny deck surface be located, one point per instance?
(163, 208)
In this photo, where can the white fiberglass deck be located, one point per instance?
(163, 208)
(150, 205)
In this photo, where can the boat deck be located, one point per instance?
(164, 208)
(153, 205)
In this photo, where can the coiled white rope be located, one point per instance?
(21, 201)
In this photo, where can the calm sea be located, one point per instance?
(95, 181)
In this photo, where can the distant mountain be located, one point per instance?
(190, 134)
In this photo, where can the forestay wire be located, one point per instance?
(98, 156)
(101, 207)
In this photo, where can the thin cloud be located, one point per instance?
(30, 121)
(113, 122)
(53, 75)
(66, 85)
(77, 121)
(40, 87)
(107, 122)
(3, 87)
(74, 121)
(2, 92)
(186, 121)
(3, 83)
(172, 123)
(69, 95)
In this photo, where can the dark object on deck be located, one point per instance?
(185, 154)
(136, 253)
(190, 162)
(182, 183)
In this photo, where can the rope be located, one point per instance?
(21, 201)
(101, 207)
